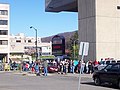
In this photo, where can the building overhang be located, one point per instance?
(61, 5)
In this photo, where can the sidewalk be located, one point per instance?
(27, 73)
(49, 74)
(53, 74)
(77, 75)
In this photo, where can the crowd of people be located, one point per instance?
(74, 66)
(36, 67)
(40, 67)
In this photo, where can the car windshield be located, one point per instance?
(108, 67)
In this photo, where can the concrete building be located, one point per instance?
(98, 24)
(21, 45)
(4, 32)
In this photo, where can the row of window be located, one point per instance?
(39, 48)
(29, 41)
(3, 22)
(3, 32)
(3, 12)
(18, 41)
(3, 42)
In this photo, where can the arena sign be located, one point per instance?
(58, 45)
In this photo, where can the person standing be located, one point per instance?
(37, 71)
(65, 67)
(27, 66)
(61, 67)
(45, 64)
(87, 69)
(90, 66)
(73, 67)
(82, 67)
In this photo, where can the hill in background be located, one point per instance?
(67, 36)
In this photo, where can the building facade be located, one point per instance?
(21, 45)
(98, 24)
(4, 32)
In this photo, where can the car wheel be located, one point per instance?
(97, 81)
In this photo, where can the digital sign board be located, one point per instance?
(58, 45)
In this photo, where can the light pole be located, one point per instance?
(35, 42)
(74, 48)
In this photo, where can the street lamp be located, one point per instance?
(74, 48)
(35, 41)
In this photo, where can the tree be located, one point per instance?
(72, 45)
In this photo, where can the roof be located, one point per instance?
(63, 5)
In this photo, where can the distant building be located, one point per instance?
(22, 45)
(99, 24)
(4, 32)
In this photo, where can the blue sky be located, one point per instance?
(24, 13)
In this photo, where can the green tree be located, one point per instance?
(72, 45)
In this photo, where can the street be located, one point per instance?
(18, 81)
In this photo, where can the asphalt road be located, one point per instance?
(18, 81)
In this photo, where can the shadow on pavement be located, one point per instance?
(103, 85)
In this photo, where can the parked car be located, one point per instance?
(52, 68)
(110, 74)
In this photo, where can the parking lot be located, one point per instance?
(18, 81)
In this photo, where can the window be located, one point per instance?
(3, 32)
(118, 7)
(29, 41)
(3, 42)
(3, 12)
(18, 41)
(108, 67)
(115, 68)
(112, 68)
(3, 22)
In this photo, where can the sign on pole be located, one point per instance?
(83, 51)
(84, 46)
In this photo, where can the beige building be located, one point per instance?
(99, 24)
(4, 32)
(22, 45)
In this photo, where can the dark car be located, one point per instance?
(52, 68)
(110, 74)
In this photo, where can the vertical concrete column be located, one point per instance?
(87, 25)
